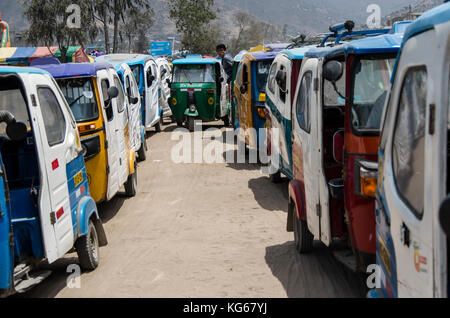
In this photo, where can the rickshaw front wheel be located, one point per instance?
(191, 124)
(87, 248)
(142, 152)
(131, 184)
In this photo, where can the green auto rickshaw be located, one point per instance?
(199, 91)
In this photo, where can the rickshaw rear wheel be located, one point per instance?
(131, 184)
(303, 237)
(159, 125)
(226, 121)
(142, 152)
(275, 177)
(87, 248)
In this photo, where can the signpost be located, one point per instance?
(161, 48)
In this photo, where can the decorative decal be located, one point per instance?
(55, 164)
(59, 213)
(420, 262)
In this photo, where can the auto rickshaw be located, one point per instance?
(250, 92)
(234, 109)
(339, 100)
(280, 92)
(165, 76)
(96, 98)
(138, 141)
(46, 207)
(145, 71)
(199, 90)
(412, 199)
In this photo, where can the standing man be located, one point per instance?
(227, 60)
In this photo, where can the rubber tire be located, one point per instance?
(158, 125)
(191, 124)
(131, 184)
(142, 152)
(276, 177)
(303, 237)
(86, 256)
(226, 121)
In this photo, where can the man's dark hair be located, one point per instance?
(221, 47)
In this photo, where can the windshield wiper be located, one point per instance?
(76, 100)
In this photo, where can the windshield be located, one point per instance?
(201, 73)
(136, 69)
(371, 80)
(262, 73)
(80, 95)
(13, 101)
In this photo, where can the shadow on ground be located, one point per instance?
(270, 196)
(317, 274)
(56, 282)
(108, 210)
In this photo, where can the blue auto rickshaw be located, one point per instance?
(46, 207)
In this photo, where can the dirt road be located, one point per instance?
(201, 230)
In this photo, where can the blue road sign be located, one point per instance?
(161, 48)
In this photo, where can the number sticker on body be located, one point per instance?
(78, 179)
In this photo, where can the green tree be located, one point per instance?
(49, 23)
(136, 23)
(112, 12)
(193, 21)
(141, 45)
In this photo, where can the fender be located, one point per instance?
(296, 197)
(188, 113)
(87, 209)
(131, 161)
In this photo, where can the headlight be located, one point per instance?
(192, 108)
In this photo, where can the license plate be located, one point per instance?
(78, 179)
(385, 257)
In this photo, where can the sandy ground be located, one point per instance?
(201, 230)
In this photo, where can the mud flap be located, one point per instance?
(101, 234)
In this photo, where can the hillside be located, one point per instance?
(300, 16)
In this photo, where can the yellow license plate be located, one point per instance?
(385, 257)
(78, 179)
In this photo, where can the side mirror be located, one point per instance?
(444, 216)
(16, 131)
(333, 71)
(338, 146)
(113, 92)
(150, 79)
(134, 100)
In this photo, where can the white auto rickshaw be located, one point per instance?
(165, 75)
(412, 199)
(137, 131)
(145, 71)
(46, 207)
(96, 98)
